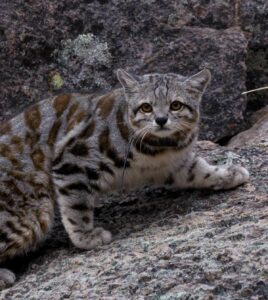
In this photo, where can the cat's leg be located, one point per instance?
(200, 174)
(19, 234)
(26, 215)
(76, 203)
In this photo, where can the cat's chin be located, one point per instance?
(165, 132)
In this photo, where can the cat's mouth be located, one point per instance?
(162, 131)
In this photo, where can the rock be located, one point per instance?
(257, 134)
(167, 244)
(253, 19)
(180, 36)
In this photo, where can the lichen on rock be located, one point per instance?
(86, 48)
(85, 57)
(55, 81)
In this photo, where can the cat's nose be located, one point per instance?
(161, 121)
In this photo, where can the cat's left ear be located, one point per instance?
(127, 81)
(196, 84)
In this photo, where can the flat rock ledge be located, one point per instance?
(167, 244)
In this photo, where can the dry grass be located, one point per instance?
(259, 89)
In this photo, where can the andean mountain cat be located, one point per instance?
(68, 149)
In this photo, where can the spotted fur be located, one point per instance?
(69, 149)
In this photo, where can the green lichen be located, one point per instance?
(56, 81)
(226, 159)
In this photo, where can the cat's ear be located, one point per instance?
(127, 81)
(196, 84)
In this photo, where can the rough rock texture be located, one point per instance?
(252, 15)
(257, 134)
(168, 245)
(38, 55)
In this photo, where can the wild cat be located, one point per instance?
(70, 148)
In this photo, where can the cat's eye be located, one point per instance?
(176, 105)
(146, 108)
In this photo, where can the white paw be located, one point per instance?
(7, 278)
(238, 174)
(231, 177)
(97, 237)
(106, 236)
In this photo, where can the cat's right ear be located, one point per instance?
(127, 81)
(196, 84)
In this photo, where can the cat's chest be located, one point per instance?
(154, 170)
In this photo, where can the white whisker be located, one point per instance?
(143, 138)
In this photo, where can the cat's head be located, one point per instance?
(163, 104)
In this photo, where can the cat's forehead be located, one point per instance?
(161, 86)
(162, 79)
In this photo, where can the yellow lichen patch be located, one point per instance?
(55, 81)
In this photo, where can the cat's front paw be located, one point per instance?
(233, 176)
(239, 174)
(7, 278)
(91, 239)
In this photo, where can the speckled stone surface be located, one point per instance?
(167, 244)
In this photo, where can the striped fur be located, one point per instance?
(68, 149)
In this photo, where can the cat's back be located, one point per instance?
(41, 115)
(31, 135)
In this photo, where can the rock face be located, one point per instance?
(77, 45)
(252, 15)
(167, 244)
(257, 134)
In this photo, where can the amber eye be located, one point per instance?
(176, 105)
(146, 108)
